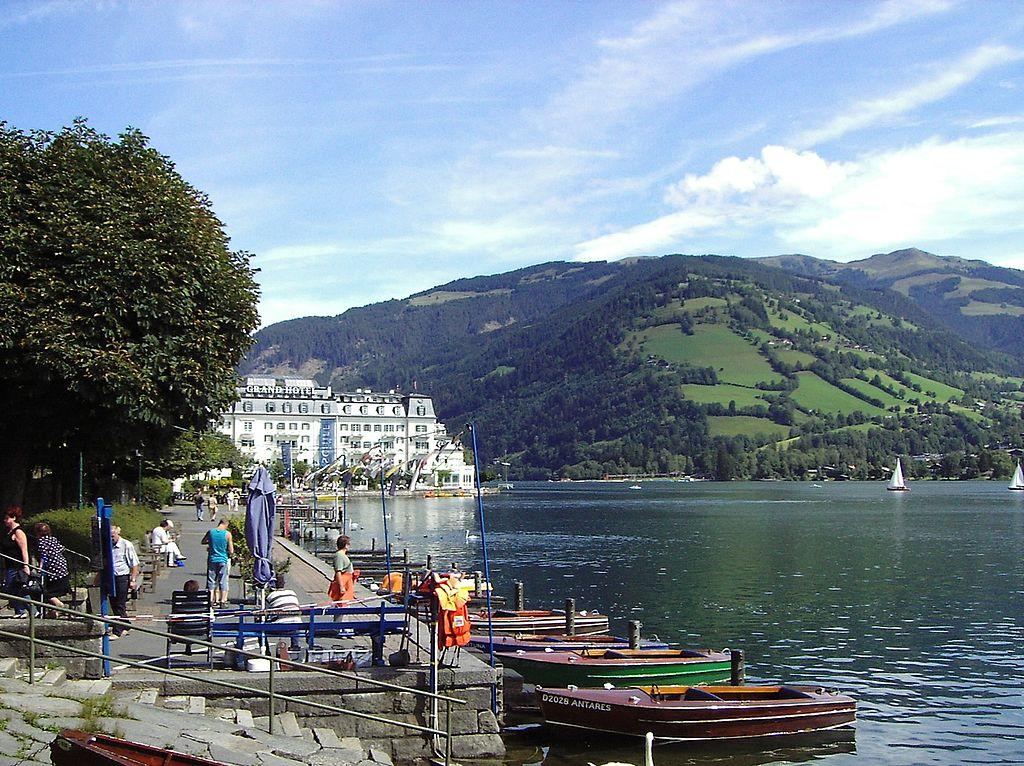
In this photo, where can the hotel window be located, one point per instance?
(376, 427)
(305, 426)
(303, 408)
(268, 438)
(364, 410)
(248, 425)
(422, 445)
(368, 427)
(389, 429)
(268, 426)
(421, 429)
(271, 407)
(325, 408)
(367, 445)
(293, 426)
(280, 426)
(421, 410)
(305, 438)
(286, 407)
(396, 410)
(347, 409)
(400, 428)
(247, 443)
(342, 426)
(246, 406)
(356, 427)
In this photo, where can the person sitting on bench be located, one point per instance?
(280, 603)
(160, 540)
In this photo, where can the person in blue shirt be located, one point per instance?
(220, 549)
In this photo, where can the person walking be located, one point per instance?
(233, 501)
(126, 576)
(53, 563)
(14, 549)
(198, 499)
(220, 550)
(211, 501)
(342, 588)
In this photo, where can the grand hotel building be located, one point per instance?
(322, 426)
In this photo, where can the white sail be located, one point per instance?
(1018, 478)
(896, 482)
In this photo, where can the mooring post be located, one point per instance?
(271, 706)
(737, 672)
(405, 556)
(570, 617)
(478, 586)
(634, 634)
(518, 599)
(430, 563)
(31, 644)
(373, 544)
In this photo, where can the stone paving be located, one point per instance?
(32, 715)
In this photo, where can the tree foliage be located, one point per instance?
(125, 311)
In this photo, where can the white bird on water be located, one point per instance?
(648, 754)
(471, 536)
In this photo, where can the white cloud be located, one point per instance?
(998, 122)
(934, 192)
(950, 78)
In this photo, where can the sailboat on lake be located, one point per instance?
(896, 483)
(1017, 482)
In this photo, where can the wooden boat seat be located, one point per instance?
(789, 693)
(695, 693)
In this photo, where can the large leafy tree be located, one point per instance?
(124, 310)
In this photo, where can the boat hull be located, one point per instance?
(542, 621)
(78, 748)
(633, 712)
(556, 642)
(574, 669)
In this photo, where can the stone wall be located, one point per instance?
(67, 633)
(474, 726)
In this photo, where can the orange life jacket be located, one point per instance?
(453, 627)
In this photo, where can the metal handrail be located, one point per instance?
(269, 693)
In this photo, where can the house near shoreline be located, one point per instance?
(321, 426)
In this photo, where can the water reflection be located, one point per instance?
(913, 602)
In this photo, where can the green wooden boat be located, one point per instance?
(620, 667)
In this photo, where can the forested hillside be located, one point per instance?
(699, 365)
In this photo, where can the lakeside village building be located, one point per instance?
(322, 426)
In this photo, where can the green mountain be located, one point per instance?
(707, 365)
(981, 302)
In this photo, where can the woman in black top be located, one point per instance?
(14, 548)
(56, 580)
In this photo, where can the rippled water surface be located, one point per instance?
(911, 602)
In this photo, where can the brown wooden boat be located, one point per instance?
(687, 713)
(545, 621)
(80, 748)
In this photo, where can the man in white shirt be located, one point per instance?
(126, 576)
(283, 603)
(160, 539)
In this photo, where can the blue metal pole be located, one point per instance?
(487, 566)
(108, 582)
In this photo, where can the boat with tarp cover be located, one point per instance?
(506, 621)
(81, 748)
(557, 642)
(620, 667)
(694, 713)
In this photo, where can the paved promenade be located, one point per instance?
(309, 585)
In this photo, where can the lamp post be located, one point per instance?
(138, 483)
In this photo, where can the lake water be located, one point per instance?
(911, 602)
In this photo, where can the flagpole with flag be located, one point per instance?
(487, 567)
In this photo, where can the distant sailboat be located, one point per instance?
(896, 483)
(1018, 478)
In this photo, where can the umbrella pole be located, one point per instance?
(384, 513)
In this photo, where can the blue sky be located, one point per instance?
(368, 150)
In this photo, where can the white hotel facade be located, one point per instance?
(322, 426)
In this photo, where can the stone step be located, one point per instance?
(82, 688)
(288, 725)
(9, 667)
(54, 677)
(148, 696)
(243, 717)
(222, 713)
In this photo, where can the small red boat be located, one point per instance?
(80, 748)
(688, 713)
